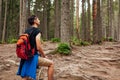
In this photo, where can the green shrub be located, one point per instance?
(78, 42)
(104, 39)
(55, 40)
(64, 49)
(84, 43)
(12, 40)
(110, 39)
(75, 41)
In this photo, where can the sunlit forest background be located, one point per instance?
(92, 21)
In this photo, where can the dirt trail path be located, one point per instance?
(96, 62)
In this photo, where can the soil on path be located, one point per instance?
(95, 62)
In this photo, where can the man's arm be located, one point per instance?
(38, 44)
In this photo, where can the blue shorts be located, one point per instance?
(28, 68)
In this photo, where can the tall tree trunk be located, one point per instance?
(45, 36)
(83, 21)
(77, 19)
(65, 21)
(89, 22)
(103, 16)
(29, 1)
(114, 27)
(99, 22)
(21, 25)
(28, 10)
(108, 26)
(95, 36)
(4, 26)
(119, 22)
(48, 18)
(110, 17)
(0, 20)
(57, 18)
(23, 18)
(72, 17)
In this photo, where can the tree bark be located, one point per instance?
(65, 21)
(77, 20)
(103, 16)
(109, 31)
(4, 26)
(83, 21)
(99, 22)
(89, 22)
(23, 18)
(57, 18)
(72, 17)
(111, 18)
(95, 36)
(119, 23)
(45, 35)
(0, 20)
(48, 18)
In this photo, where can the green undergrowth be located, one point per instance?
(63, 49)
(55, 40)
(78, 42)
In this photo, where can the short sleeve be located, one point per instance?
(37, 31)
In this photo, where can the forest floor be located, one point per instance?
(95, 62)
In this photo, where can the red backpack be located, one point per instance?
(23, 48)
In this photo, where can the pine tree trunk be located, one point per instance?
(72, 17)
(4, 25)
(48, 19)
(77, 20)
(103, 15)
(99, 22)
(0, 20)
(83, 21)
(57, 18)
(45, 36)
(119, 22)
(29, 1)
(23, 13)
(95, 36)
(89, 22)
(28, 11)
(65, 21)
(107, 28)
(112, 27)
(109, 31)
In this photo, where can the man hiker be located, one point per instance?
(27, 68)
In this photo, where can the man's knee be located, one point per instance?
(51, 64)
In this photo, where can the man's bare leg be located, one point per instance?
(47, 63)
(50, 71)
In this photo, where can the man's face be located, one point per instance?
(37, 21)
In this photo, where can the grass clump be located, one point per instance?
(55, 40)
(78, 42)
(84, 43)
(64, 48)
(12, 41)
(110, 39)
